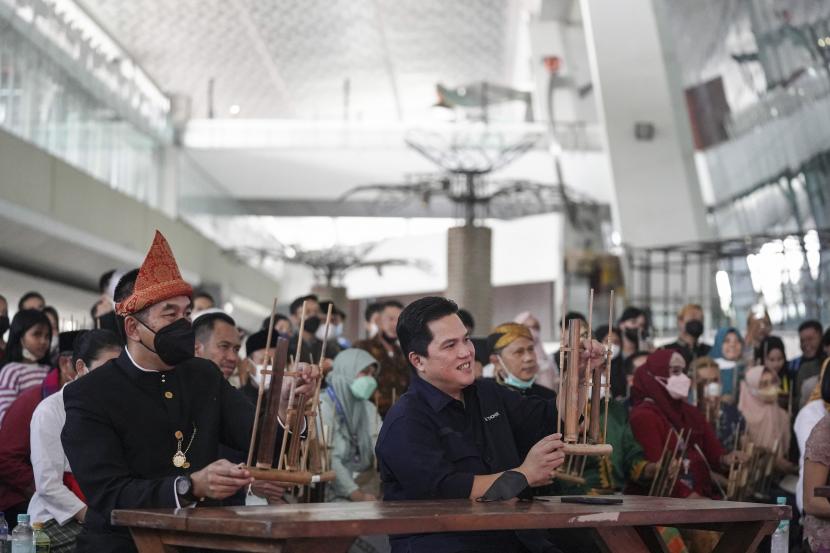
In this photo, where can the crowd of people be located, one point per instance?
(421, 407)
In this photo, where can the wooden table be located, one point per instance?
(331, 527)
(822, 491)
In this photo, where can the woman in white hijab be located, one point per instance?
(548, 375)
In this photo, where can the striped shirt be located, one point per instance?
(16, 377)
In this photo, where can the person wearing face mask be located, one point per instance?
(312, 333)
(690, 326)
(27, 356)
(728, 354)
(145, 429)
(58, 502)
(633, 324)
(513, 355)
(724, 417)
(619, 384)
(16, 478)
(548, 375)
(338, 321)
(767, 424)
(370, 318)
(4, 327)
(515, 367)
(393, 370)
(353, 423)
(54, 322)
(247, 377)
(659, 398)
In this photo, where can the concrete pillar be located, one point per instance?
(469, 252)
(638, 85)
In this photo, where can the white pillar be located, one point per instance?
(637, 80)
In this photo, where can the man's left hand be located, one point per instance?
(269, 490)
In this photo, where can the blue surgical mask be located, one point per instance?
(363, 387)
(512, 381)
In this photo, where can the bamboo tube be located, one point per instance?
(261, 390)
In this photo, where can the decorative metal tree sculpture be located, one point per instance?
(329, 265)
(467, 158)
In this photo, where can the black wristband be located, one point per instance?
(507, 486)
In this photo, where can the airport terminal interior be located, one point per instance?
(403, 276)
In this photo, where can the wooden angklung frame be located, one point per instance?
(293, 465)
(583, 433)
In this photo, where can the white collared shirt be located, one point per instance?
(52, 499)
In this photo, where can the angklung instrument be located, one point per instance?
(300, 462)
(580, 395)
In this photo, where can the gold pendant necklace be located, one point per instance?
(180, 457)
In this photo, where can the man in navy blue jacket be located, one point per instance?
(452, 437)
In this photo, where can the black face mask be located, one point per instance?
(4, 324)
(389, 339)
(175, 343)
(311, 324)
(694, 328)
(632, 334)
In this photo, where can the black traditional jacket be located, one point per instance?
(121, 431)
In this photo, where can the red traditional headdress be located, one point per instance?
(158, 279)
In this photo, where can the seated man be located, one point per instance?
(452, 437)
(144, 430)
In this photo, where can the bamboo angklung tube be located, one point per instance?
(571, 404)
(268, 430)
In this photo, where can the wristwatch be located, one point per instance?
(184, 489)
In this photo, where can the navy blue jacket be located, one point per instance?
(431, 446)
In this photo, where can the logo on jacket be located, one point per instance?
(488, 418)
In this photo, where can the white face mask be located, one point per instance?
(28, 355)
(256, 377)
(615, 350)
(321, 332)
(54, 343)
(712, 390)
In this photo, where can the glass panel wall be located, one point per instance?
(44, 104)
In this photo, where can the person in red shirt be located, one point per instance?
(659, 398)
(17, 482)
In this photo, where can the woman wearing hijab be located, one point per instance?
(27, 356)
(728, 354)
(548, 373)
(659, 398)
(767, 424)
(352, 422)
(772, 355)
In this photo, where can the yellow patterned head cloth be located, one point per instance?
(507, 333)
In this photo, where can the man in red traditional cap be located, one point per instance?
(145, 430)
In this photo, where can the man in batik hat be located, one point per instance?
(513, 355)
(145, 429)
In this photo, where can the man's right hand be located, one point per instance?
(219, 480)
(542, 459)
